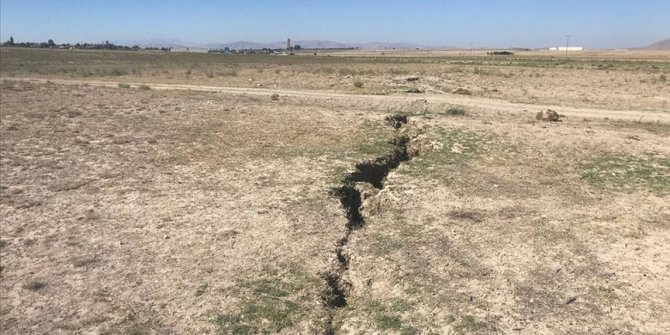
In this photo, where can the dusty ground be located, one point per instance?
(623, 81)
(175, 210)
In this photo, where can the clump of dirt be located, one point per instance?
(414, 90)
(396, 120)
(548, 115)
(461, 91)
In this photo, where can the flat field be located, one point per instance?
(337, 193)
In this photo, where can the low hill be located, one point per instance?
(662, 45)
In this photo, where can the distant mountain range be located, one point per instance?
(661, 45)
(318, 44)
(305, 44)
(310, 44)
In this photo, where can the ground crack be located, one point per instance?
(373, 172)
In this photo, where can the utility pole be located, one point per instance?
(567, 44)
(470, 48)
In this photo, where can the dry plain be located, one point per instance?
(156, 193)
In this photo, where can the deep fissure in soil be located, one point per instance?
(373, 172)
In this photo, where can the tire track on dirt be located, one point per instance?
(468, 101)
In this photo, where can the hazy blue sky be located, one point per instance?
(493, 23)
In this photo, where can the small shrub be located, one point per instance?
(469, 325)
(74, 113)
(210, 74)
(201, 290)
(124, 85)
(274, 96)
(388, 322)
(455, 111)
(345, 72)
(144, 87)
(83, 261)
(399, 71)
(662, 78)
(358, 84)
(117, 72)
(462, 91)
(34, 285)
(136, 330)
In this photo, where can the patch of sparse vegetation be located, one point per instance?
(117, 72)
(461, 91)
(228, 73)
(325, 70)
(388, 322)
(201, 290)
(264, 316)
(358, 84)
(136, 330)
(124, 85)
(454, 145)
(398, 71)
(449, 147)
(144, 87)
(386, 319)
(34, 285)
(627, 173)
(652, 127)
(454, 111)
(270, 307)
(83, 261)
(414, 90)
(466, 215)
(468, 325)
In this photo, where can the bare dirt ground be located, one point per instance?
(500, 105)
(214, 206)
(613, 81)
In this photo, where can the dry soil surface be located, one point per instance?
(214, 210)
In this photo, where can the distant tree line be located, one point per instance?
(50, 44)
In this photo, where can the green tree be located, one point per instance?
(51, 43)
(11, 41)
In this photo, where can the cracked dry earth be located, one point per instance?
(369, 174)
(172, 212)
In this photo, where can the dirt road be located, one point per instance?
(499, 105)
